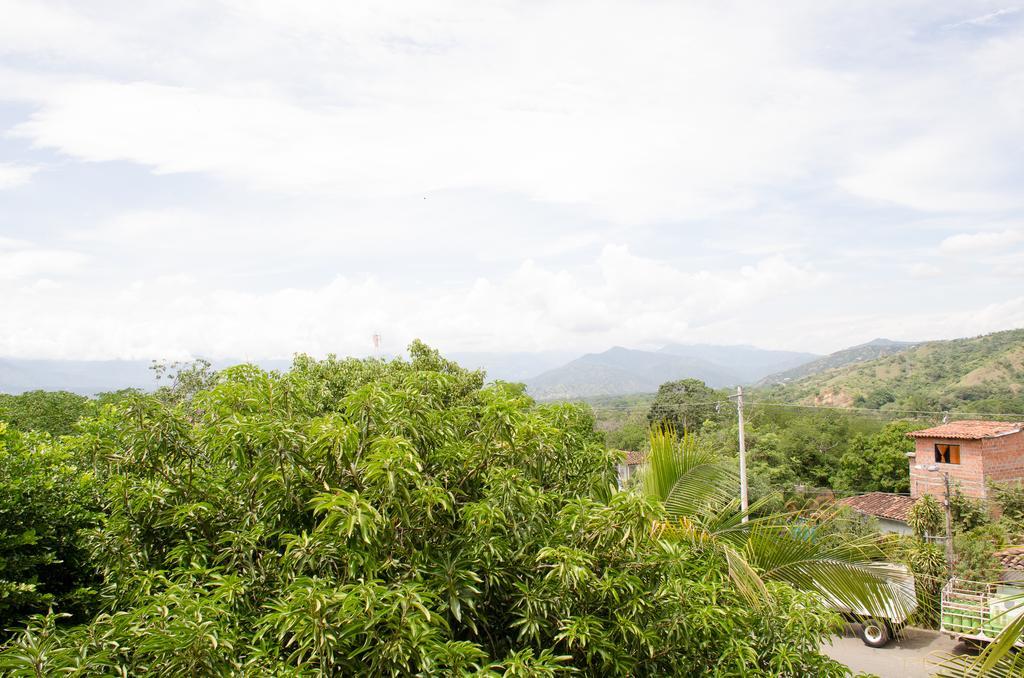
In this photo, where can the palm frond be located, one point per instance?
(698, 489)
(685, 477)
(844, 574)
(728, 521)
(748, 581)
(984, 665)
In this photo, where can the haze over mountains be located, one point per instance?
(621, 370)
(89, 377)
(516, 366)
(548, 375)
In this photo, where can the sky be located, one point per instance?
(250, 179)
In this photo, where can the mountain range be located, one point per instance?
(622, 370)
(984, 373)
(548, 375)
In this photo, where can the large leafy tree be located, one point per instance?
(685, 405)
(391, 517)
(877, 463)
(815, 443)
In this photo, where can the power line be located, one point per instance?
(873, 410)
(765, 403)
(646, 406)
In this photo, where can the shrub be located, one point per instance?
(926, 517)
(46, 497)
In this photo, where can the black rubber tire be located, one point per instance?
(875, 633)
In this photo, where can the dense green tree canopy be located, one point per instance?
(877, 463)
(46, 497)
(396, 517)
(686, 405)
(54, 412)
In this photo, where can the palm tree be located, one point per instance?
(698, 490)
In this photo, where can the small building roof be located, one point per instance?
(881, 505)
(968, 430)
(634, 457)
(1011, 558)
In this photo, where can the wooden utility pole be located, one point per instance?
(743, 453)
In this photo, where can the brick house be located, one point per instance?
(973, 453)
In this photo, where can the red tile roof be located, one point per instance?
(881, 505)
(634, 458)
(968, 430)
(1011, 558)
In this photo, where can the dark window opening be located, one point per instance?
(947, 454)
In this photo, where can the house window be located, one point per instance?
(947, 454)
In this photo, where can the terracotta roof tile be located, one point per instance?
(881, 505)
(1011, 558)
(634, 457)
(968, 430)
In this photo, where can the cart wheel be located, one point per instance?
(875, 633)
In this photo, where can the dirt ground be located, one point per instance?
(905, 657)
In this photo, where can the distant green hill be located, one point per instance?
(979, 374)
(876, 348)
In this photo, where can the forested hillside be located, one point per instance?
(978, 374)
(876, 348)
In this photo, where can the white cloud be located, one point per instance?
(19, 259)
(533, 307)
(149, 226)
(628, 113)
(943, 170)
(923, 270)
(34, 27)
(930, 322)
(983, 242)
(945, 323)
(13, 175)
(988, 18)
(610, 163)
(13, 243)
(416, 154)
(414, 100)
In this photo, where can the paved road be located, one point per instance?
(906, 657)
